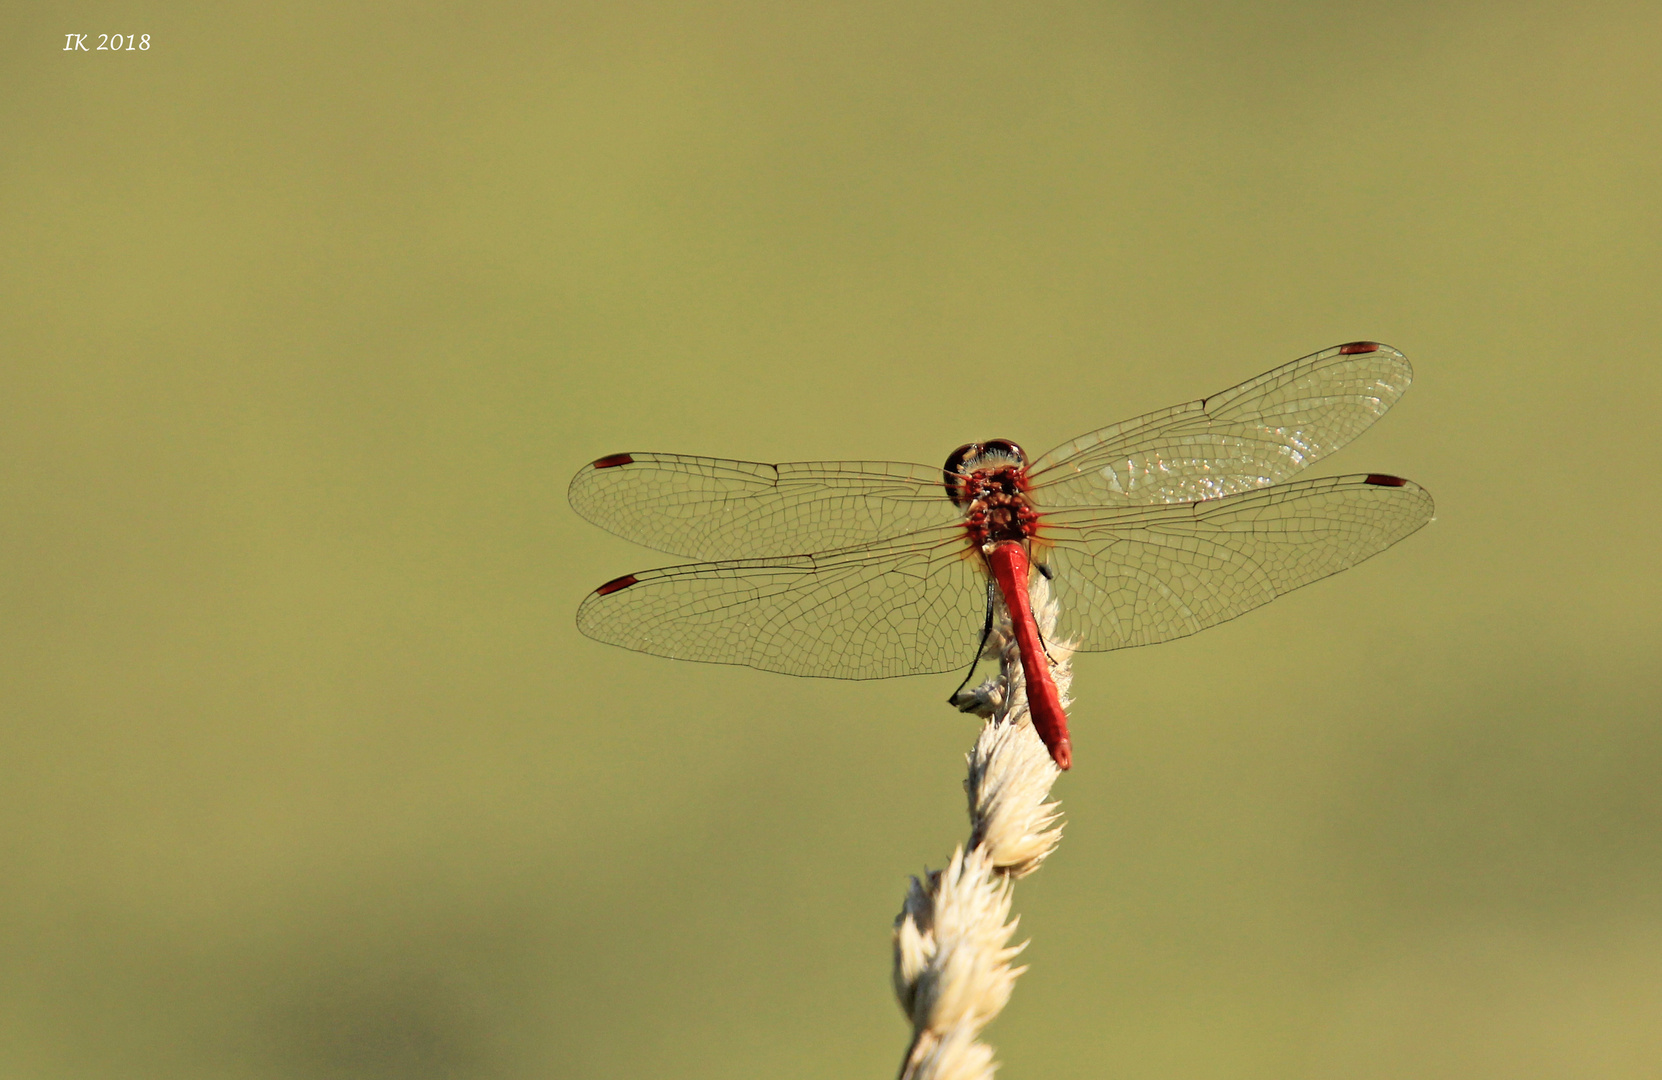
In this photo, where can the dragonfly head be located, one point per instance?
(978, 457)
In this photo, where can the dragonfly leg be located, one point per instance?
(1049, 575)
(972, 702)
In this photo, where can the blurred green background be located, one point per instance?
(309, 312)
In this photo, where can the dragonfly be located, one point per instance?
(1148, 530)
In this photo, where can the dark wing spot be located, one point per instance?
(616, 584)
(1381, 480)
(1355, 348)
(612, 461)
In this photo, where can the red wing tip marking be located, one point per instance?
(616, 584)
(612, 461)
(1356, 348)
(1376, 479)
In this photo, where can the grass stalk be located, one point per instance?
(953, 961)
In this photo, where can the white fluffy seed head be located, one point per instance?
(1011, 821)
(953, 972)
(956, 1055)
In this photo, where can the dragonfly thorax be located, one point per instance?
(996, 507)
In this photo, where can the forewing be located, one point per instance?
(907, 606)
(1254, 435)
(1138, 575)
(711, 508)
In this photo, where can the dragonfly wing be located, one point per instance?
(906, 606)
(1254, 435)
(711, 508)
(1137, 575)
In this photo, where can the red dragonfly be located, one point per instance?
(1148, 530)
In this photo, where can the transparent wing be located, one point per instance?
(1257, 434)
(711, 508)
(1137, 575)
(906, 606)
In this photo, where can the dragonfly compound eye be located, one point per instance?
(955, 461)
(1005, 447)
(952, 473)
